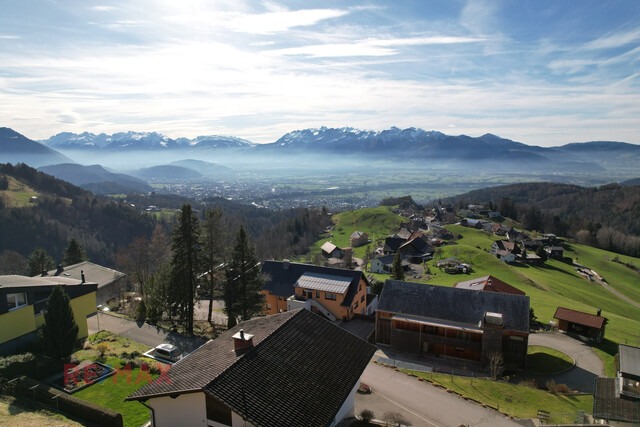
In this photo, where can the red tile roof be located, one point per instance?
(489, 283)
(579, 317)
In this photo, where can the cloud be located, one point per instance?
(614, 40)
(103, 8)
(9, 37)
(370, 47)
(274, 22)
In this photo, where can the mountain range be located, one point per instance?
(403, 145)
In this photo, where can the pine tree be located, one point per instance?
(212, 239)
(40, 261)
(60, 331)
(185, 265)
(397, 273)
(242, 295)
(74, 253)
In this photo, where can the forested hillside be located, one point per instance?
(63, 211)
(607, 216)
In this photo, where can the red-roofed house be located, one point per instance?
(580, 323)
(490, 284)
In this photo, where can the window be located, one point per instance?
(16, 300)
(355, 305)
(317, 294)
(268, 306)
(362, 299)
(330, 296)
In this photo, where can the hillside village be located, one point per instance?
(427, 292)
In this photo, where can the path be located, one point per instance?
(420, 403)
(588, 364)
(142, 332)
(598, 279)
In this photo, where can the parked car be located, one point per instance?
(167, 352)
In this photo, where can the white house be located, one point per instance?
(289, 369)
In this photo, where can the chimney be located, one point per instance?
(82, 276)
(599, 311)
(285, 264)
(242, 342)
(44, 273)
(59, 270)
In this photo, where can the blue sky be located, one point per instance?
(539, 72)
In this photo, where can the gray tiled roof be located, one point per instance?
(453, 304)
(324, 282)
(629, 359)
(608, 405)
(299, 372)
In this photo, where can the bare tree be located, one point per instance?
(496, 361)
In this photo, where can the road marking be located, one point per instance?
(407, 409)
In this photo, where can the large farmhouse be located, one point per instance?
(429, 320)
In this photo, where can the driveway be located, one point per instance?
(201, 310)
(421, 403)
(142, 332)
(588, 365)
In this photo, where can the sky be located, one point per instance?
(542, 72)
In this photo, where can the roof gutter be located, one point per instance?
(153, 413)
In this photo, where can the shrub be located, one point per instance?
(366, 415)
(141, 311)
(551, 386)
(102, 349)
(562, 388)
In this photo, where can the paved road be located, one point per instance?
(588, 364)
(598, 279)
(142, 332)
(201, 311)
(421, 403)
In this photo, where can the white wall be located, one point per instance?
(237, 421)
(347, 408)
(186, 410)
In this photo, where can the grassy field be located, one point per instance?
(376, 222)
(111, 392)
(520, 401)
(18, 194)
(547, 361)
(18, 413)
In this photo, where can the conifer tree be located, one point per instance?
(397, 273)
(74, 253)
(242, 295)
(186, 265)
(40, 261)
(60, 330)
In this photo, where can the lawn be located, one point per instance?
(112, 391)
(547, 361)
(519, 401)
(17, 194)
(19, 413)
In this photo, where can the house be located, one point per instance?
(393, 243)
(384, 264)
(471, 223)
(111, 283)
(504, 250)
(358, 238)
(532, 244)
(404, 233)
(430, 320)
(336, 293)
(23, 299)
(329, 250)
(529, 258)
(515, 236)
(580, 323)
(556, 252)
(416, 249)
(488, 284)
(289, 369)
(616, 401)
(448, 262)
(440, 232)
(493, 214)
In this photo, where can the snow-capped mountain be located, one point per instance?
(122, 141)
